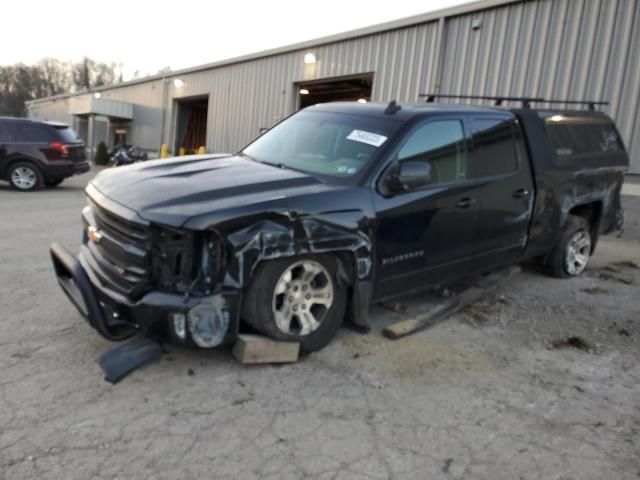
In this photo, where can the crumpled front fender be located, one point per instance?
(288, 235)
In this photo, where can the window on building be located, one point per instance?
(440, 143)
(495, 151)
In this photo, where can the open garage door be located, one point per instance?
(191, 124)
(337, 90)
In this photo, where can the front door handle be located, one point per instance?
(521, 193)
(465, 202)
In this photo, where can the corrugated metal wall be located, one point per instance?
(245, 97)
(565, 49)
(569, 49)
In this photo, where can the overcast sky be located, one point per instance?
(149, 35)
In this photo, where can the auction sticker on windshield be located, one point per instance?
(367, 137)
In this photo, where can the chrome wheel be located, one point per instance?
(24, 178)
(578, 251)
(301, 298)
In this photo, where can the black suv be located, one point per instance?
(336, 207)
(33, 153)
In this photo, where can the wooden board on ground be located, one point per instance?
(449, 306)
(253, 349)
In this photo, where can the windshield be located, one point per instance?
(332, 144)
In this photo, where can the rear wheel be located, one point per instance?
(297, 299)
(25, 177)
(53, 182)
(570, 256)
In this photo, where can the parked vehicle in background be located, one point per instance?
(339, 206)
(126, 155)
(35, 154)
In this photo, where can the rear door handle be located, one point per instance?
(465, 202)
(521, 193)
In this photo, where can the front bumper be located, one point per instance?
(117, 318)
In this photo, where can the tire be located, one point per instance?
(25, 177)
(571, 254)
(280, 301)
(53, 182)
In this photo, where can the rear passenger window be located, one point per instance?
(4, 134)
(440, 143)
(572, 139)
(31, 132)
(495, 151)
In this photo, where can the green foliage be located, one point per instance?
(102, 155)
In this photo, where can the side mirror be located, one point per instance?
(411, 175)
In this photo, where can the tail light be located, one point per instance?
(61, 148)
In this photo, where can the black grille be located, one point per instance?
(121, 257)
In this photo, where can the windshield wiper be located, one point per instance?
(273, 164)
(242, 154)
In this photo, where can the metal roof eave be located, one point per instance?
(466, 8)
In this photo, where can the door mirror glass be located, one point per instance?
(410, 175)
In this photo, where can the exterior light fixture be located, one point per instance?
(97, 95)
(362, 100)
(304, 91)
(556, 118)
(178, 83)
(310, 58)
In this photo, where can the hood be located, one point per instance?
(172, 191)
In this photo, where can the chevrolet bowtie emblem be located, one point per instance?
(94, 234)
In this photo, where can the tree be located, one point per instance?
(20, 83)
(102, 155)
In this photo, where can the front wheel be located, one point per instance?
(297, 299)
(570, 256)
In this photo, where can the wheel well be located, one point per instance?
(13, 161)
(591, 212)
(346, 267)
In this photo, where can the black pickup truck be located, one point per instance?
(336, 207)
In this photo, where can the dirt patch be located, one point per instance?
(576, 342)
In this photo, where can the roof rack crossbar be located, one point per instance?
(526, 101)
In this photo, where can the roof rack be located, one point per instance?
(526, 101)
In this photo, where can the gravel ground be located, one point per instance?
(495, 392)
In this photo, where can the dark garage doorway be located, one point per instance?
(191, 124)
(336, 90)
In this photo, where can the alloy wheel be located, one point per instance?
(24, 178)
(578, 251)
(302, 296)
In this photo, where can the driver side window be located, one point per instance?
(440, 143)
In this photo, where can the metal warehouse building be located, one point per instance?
(553, 49)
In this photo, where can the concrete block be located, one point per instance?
(253, 349)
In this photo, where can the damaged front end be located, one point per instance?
(185, 284)
(135, 277)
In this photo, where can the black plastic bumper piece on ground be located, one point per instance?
(120, 361)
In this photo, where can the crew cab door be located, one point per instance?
(425, 234)
(505, 190)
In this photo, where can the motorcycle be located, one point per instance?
(126, 155)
